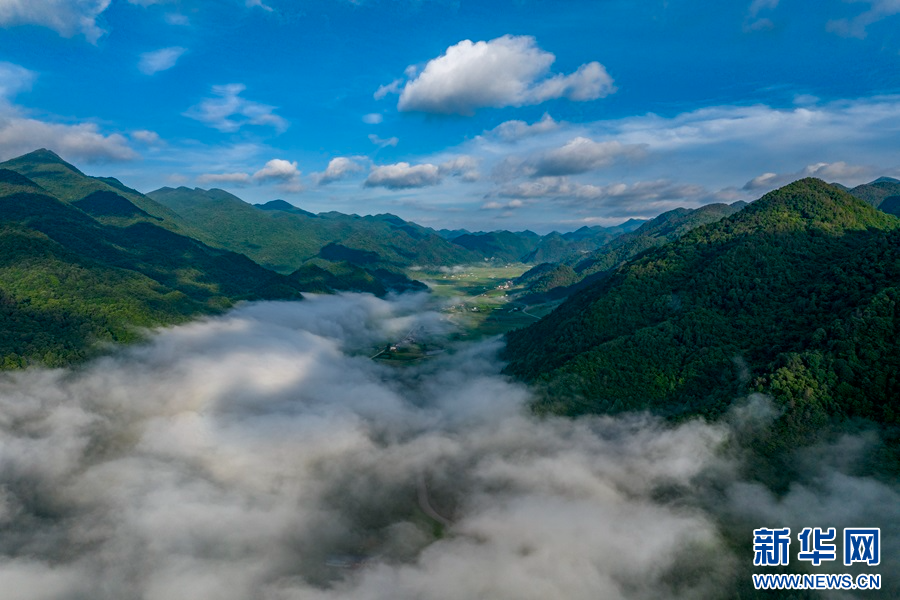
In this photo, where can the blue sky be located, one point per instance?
(484, 115)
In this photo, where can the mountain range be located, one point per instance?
(796, 296)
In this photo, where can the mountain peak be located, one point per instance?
(42, 156)
(809, 203)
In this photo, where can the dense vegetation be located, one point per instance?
(549, 281)
(883, 193)
(69, 280)
(282, 238)
(796, 296)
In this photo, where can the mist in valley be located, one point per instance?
(264, 454)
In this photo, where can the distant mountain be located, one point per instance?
(499, 245)
(69, 278)
(68, 184)
(665, 228)
(283, 238)
(284, 207)
(876, 192)
(796, 296)
(559, 247)
(552, 283)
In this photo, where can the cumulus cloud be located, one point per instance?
(284, 173)
(636, 198)
(464, 167)
(373, 118)
(160, 60)
(580, 155)
(277, 169)
(82, 142)
(20, 134)
(506, 71)
(831, 172)
(228, 111)
(337, 169)
(856, 27)
(402, 175)
(263, 454)
(66, 17)
(383, 143)
(516, 130)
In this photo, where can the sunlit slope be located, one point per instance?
(67, 280)
(555, 281)
(283, 239)
(796, 296)
(106, 197)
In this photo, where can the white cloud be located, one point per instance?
(177, 19)
(383, 143)
(14, 79)
(506, 71)
(74, 142)
(338, 168)
(494, 205)
(580, 155)
(753, 22)
(465, 167)
(626, 199)
(232, 178)
(830, 172)
(516, 130)
(160, 60)
(277, 169)
(390, 88)
(373, 118)
(258, 4)
(66, 17)
(856, 27)
(403, 175)
(228, 112)
(144, 136)
(284, 173)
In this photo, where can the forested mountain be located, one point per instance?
(98, 196)
(796, 296)
(549, 281)
(281, 237)
(558, 247)
(883, 194)
(92, 269)
(499, 245)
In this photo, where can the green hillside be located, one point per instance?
(65, 182)
(665, 228)
(550, 281)
(68, 281)
(504, 246)
(281, 237)
(796, 296)
(876, 192)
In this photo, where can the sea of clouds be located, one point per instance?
(263, 454)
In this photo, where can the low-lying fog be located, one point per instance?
(263, 454)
